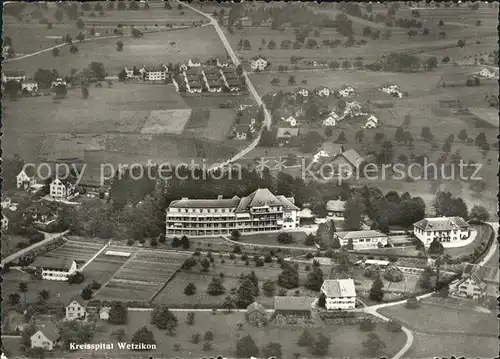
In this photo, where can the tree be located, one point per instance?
(143, 335)
(462, 135)
(190, 289)
(436, 247)
(424, 281)
(44, 294)
(393, 325)
(136, 33)
(376, 291)
(163, 318)
(441, 23)
(59, 15)
(55, 51)
(73, 49)
(14, 298)
(97, 69)
(190, 318)
(305, 339)
(205, 263)
(119, 334)
(285, 238)
(133, 5)
(246, 293)
(235, 235)
(412, 302)
(215, 287)
(271, 350)
(393, 274)
(431, 63)
(314, 279)
(322, 300)
(269, 287)
(246, 348)
(85, 92)
(119, 46)
(86, 293)
(118, 313)
(461, 43)
(341, 138)
(320, 345)
(288, 278)
(208, 335)
(373, 344)
(80, 24)
(352, 215)
(479, 214)
(271, 45)
(478, 23)
(228, 304)
(328, 132)
(291, 80)
(480, 140)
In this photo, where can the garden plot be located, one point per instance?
(78, 251)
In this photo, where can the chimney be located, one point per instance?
(219, 196)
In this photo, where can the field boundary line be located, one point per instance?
(96, 255)
(153, 297)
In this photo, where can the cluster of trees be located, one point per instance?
(318, 345)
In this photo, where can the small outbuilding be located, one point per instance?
(257, 314)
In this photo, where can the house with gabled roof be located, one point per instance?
(27, 178)
(46, 337)
(75, 309)
(13, 75)
(302, 92)
(62, 188)
(347, 162)
(285, 134)
(298, 307)
(448, 230)
(347, 91)
(54, 268)
(323, 91)
(258, 63)
(369, 239)
(335, 208)
(371, 122)
(477, 282)
(257, 314)
(5, 222)
(339, 293)
(290, 120)
(332, 119)
(487, 73)
(194, 62)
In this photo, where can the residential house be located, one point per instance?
(62, 188)
(477, 282)
(104, 313)
(27, 178)
(285, 134)
(54, 268)
(362, 239)
(46, 337)
(5, 222)
(240, 131)
(487, 73)
(13, 75)
(75, 309)
(130, 73)
(339, 293)
(347, 91)
(332, 119)
(183, 68)
(298, 307)
(302, 92)
(292, 121)
(194, 87)
(39, 212)
(323, 91)
(260, 211)
(58, 82)
(335, 208)
(371, 122)
(448, 230)
(194, 63)
(234, 85)
(354, 108)
(328, 150)
(6, 202)
(392, 90)
(258, 63)
(5, 51)
(226, 63)
(158, 73)
(347, 162)
(29, 86)
(257, 314)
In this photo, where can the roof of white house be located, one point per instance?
(287, 132)
(53, 263)
(441, 223)
(335, 205)
(77, 299)
(50, 330)
(361, 234)
(256, 307)
(263, 197)
(205, 203)
(339, 288)
(353, 157)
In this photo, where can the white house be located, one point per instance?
(347, 91)
(284, 135)
(183, 68)
(155, 73)
(6, 203)
(30, 86)
(5, 51)
(487, 73)
(332, 120)
(194, 87)
(46, 337)
(335, 208)
(240, 131)
(323, 91)
(362, 239)
(234, 85)
(353, 108)
(371, 122)
(339, 293)
(258, 63)
(54, 268)
(292, 121)
(58, 82)
(13, 75)
(75, 309)
(392, 90)
(302, 92)
(61, 188)
(226, 63)
(448, 230)
(328, 149)
(5, 222)
(27, 178)
(194, 63)
(104, 313)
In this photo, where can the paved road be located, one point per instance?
(250, 86)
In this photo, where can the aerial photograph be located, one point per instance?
(252, 179)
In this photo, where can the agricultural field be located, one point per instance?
(151, 50)
(271, 239)
(142, 276)
(78, 251)
(173, 293)
(213, 124)
(345, 340)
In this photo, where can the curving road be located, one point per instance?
(250, 86)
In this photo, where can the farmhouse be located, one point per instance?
(339, 293)
(290, 120)
(6, 202)
(299, 307)
(487, 73)
(54, 268)
(5, 222)
(46, 337)
(448, 230)
(241, 131)
(362, 239)
(75, 309)
(13, 75)
(392, 90)
(257, 314)
(335, 208)
(347, 91)
(302, 92)
(62, 188)
(38, 212)
(58, 82)
(371, 122)
(261, 211)
(258, 63)
(332, 119)
(347, 162)
(328, 150)
(27, 179)
(183, 68)
(285, 134)
(5, 51)
(322, 91)
(29, 86)
(477, 282)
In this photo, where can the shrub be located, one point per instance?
(366, 325)
(412, 303)
(393, 273)
(393, 325)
